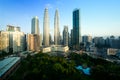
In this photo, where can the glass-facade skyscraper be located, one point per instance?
(76, 29)
(35, 25)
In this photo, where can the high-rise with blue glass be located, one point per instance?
(76, 29)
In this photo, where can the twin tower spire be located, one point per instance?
(46, 29)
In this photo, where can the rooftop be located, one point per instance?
(7, 63)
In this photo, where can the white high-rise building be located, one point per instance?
(16, 39)
(35, 25)
(56, 29)
(46, 28)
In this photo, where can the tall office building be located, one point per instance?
(18, 43)
(15, 37)
(33, 42)
(46, 28)
(35, 25)
(56, 29)
(4, 41)
(76, 29)
(65, 36)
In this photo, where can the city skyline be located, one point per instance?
(98, 18)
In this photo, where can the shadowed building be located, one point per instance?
(65, 36)
(76, 29)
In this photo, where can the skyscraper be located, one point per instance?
(46, 28)
(65, 35)
(35, 25)
(76, 29)
(16, 39)
(33, 42)
(4, 41)
(56, 29)
(71, 37)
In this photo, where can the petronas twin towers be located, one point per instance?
(46, 28)
(56, 29)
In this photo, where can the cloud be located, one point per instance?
(49, 6)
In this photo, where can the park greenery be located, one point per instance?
(44, 67)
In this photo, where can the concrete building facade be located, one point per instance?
(16, 39)
(33, 42)
(4, 41)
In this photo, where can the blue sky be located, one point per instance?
(98, 17)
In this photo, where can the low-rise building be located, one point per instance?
(112, 51)
(46, 49)
(8, 66)
(54, 48)
(59, 48)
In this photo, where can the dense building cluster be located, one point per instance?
(14, 40)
